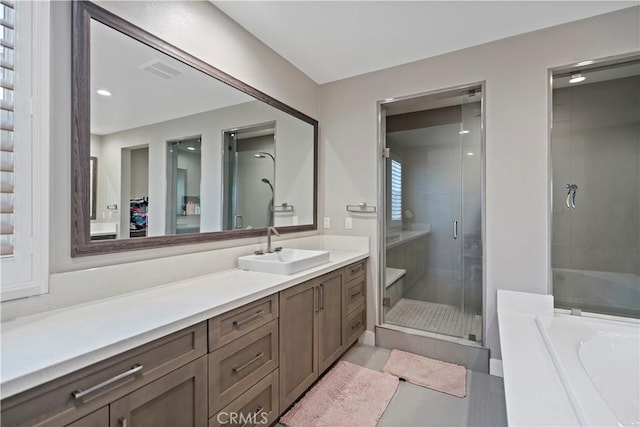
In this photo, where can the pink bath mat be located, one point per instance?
(348, 395)
(423, 371)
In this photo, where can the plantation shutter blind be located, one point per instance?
(396, 190)
(7, 147)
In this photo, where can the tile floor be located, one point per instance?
(414, 406)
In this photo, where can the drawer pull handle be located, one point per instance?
(81, 393)
(123, 422)
(355, 270)
(321, 298)
(254, 418)
(238, 323)
(356, 325)
(353, 294)
(240, 368)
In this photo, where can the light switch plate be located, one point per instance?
(295, 220)
(327, 222)
(348, 223)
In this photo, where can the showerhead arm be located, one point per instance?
(263, 155)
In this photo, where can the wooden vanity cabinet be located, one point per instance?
(255, 360)
(78, 398)
(312, 331)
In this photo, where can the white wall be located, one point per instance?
(517, 166)
(235, 51)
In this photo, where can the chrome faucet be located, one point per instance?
(270, 230)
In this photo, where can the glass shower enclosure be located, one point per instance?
(433, 192)
(595, 155)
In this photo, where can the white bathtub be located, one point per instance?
(600, 291)
(567, 370)
(600, 362)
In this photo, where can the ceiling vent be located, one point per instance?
(160, 69)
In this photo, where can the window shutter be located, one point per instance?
(7, 147)
(396, 190)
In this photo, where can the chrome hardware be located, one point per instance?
(386, 152)
(362, 207)
(278, 249)
(81, 393)
(123, 422)
(353, 294)
(322, 297)
(240, 368)
(355, 270)
(259, 252)
(316, 297)
(571, 195)
(386, 302)
(238, 222)
(455, 229)
(238, 323)
(270, 230)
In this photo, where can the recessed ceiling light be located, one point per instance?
(583, 63)
(191, 148)
(103, 92)
(469, 154)
(577, 78)
(462, 132)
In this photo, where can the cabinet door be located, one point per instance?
(99, 418)
(177, 399)
(330, 319)
(298, 341)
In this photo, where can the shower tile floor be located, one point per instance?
(432, 317)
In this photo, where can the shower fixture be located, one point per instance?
(266, 181)
(571, 195)
(577, 78)
(263, 155)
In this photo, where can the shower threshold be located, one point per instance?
(437, 319)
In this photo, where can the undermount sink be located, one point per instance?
(287, 261)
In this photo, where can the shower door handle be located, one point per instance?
(455, 229)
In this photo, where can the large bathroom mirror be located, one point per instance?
(187, 153)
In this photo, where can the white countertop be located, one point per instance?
(40, 348)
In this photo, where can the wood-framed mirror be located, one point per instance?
(188, 154)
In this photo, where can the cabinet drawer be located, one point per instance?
(356, 269)
(237, 366)
(67, 399)
(228, 326)
(257, 406)
(355, 325)
(354, 293)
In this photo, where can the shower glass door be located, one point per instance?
(433, 215)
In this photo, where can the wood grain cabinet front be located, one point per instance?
(231, 325)
(239, 365)
(311, 333)
(177, 399)
(67, 399)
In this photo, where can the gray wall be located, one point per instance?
(517, 168)
(596, 145)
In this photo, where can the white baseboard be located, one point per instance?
(495, 367)
(368, 338)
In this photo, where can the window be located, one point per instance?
(24, 148)
(396, 190)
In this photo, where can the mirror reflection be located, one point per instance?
(181, 152)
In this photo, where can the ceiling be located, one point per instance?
(143, 95)
(333, 40)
